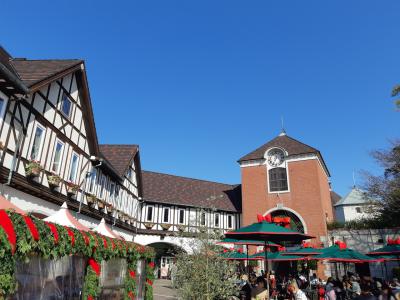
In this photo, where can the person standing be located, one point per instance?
(330, 293)
(295, 292)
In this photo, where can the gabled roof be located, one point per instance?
(120, 156)
(32, 72)
(171, 189)
(335, 197)
(292, 146)
(354, 197)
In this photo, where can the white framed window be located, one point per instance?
(3, 105)
(57, 157)
(230, 221)
(181, 216)
(216, 220)
(102, 186)
(149, 213)
(37, 144)
(66, 105)
(112, 191)
(202, 218)
(73, 168)
(166, 215)
(92, 180)
(129, 174)
(358, 210)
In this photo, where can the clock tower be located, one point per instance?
(286, 177)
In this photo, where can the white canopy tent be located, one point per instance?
(64, 217)
(103, 229)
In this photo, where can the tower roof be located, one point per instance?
(292, 147)
(354, 197)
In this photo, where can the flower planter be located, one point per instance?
(91, 200)
(120, 215)
(101, 204)
(33, 169)
(181, 228)
(54, 181)
(72, 189)
(148, 225)
(166, 226)
(110, 208)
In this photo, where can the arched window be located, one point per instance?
(277, 179)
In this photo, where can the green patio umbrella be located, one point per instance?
(303, 251)
(338, 254)
(234, 255)
(387, 250)
(246, 242)
(277, 256)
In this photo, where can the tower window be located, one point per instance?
(66, 106)
(277, 180)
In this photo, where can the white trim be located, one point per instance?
(179, 214)
(54, 155)
(227, 221)
(70, 167)
(290, 210)
(147, 212)
(3, 109)
(163, 214)
(70, 108)
(37, 125)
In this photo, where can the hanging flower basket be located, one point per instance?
(166, 226)
(91, 200)
(101, 204)
(126, 218)
(181, 228)
(33, 168)
(54, 180)
(148, 225)
(120, 215)
(110, 208)
(72, 188)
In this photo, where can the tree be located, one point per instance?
(384, 189)
(396, 93)
(203, 274)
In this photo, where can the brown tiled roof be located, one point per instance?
(335, 197)
(171, 189)
(119, 156)
(5, 59)
(35, 71)
(292, 146)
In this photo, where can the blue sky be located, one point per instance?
(198, 84)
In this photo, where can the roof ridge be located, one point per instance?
(50, 59)
(301, 142)
(191, 178)
(118, 145)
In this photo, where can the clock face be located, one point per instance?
(275, 157)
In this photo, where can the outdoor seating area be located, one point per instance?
(294, 278)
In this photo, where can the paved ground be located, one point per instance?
(163, 290)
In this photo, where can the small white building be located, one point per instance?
(355, 205)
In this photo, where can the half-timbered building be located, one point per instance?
(49, 150)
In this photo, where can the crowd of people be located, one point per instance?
(299, 287)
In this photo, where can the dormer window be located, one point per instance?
(66, 106)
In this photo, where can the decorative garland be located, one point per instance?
(149, 280)
(23, 236)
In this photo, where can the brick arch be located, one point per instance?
(291, 211)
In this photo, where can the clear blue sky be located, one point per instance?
(198, 84)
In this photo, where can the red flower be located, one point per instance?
(151, 264)
(85, 237)
(71, 235)
(32, 228)
(90, 297)
(53, 229)
(131, 295)
(8, 227)
(132, 274)
(149, 281)
(95, 266)
(104, 242)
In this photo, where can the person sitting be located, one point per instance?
(259, 292)
(330, 293)
(386, 293)
(245, 288)
(366, 293)
(296, 293)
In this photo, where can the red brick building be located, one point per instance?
(285, 177)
